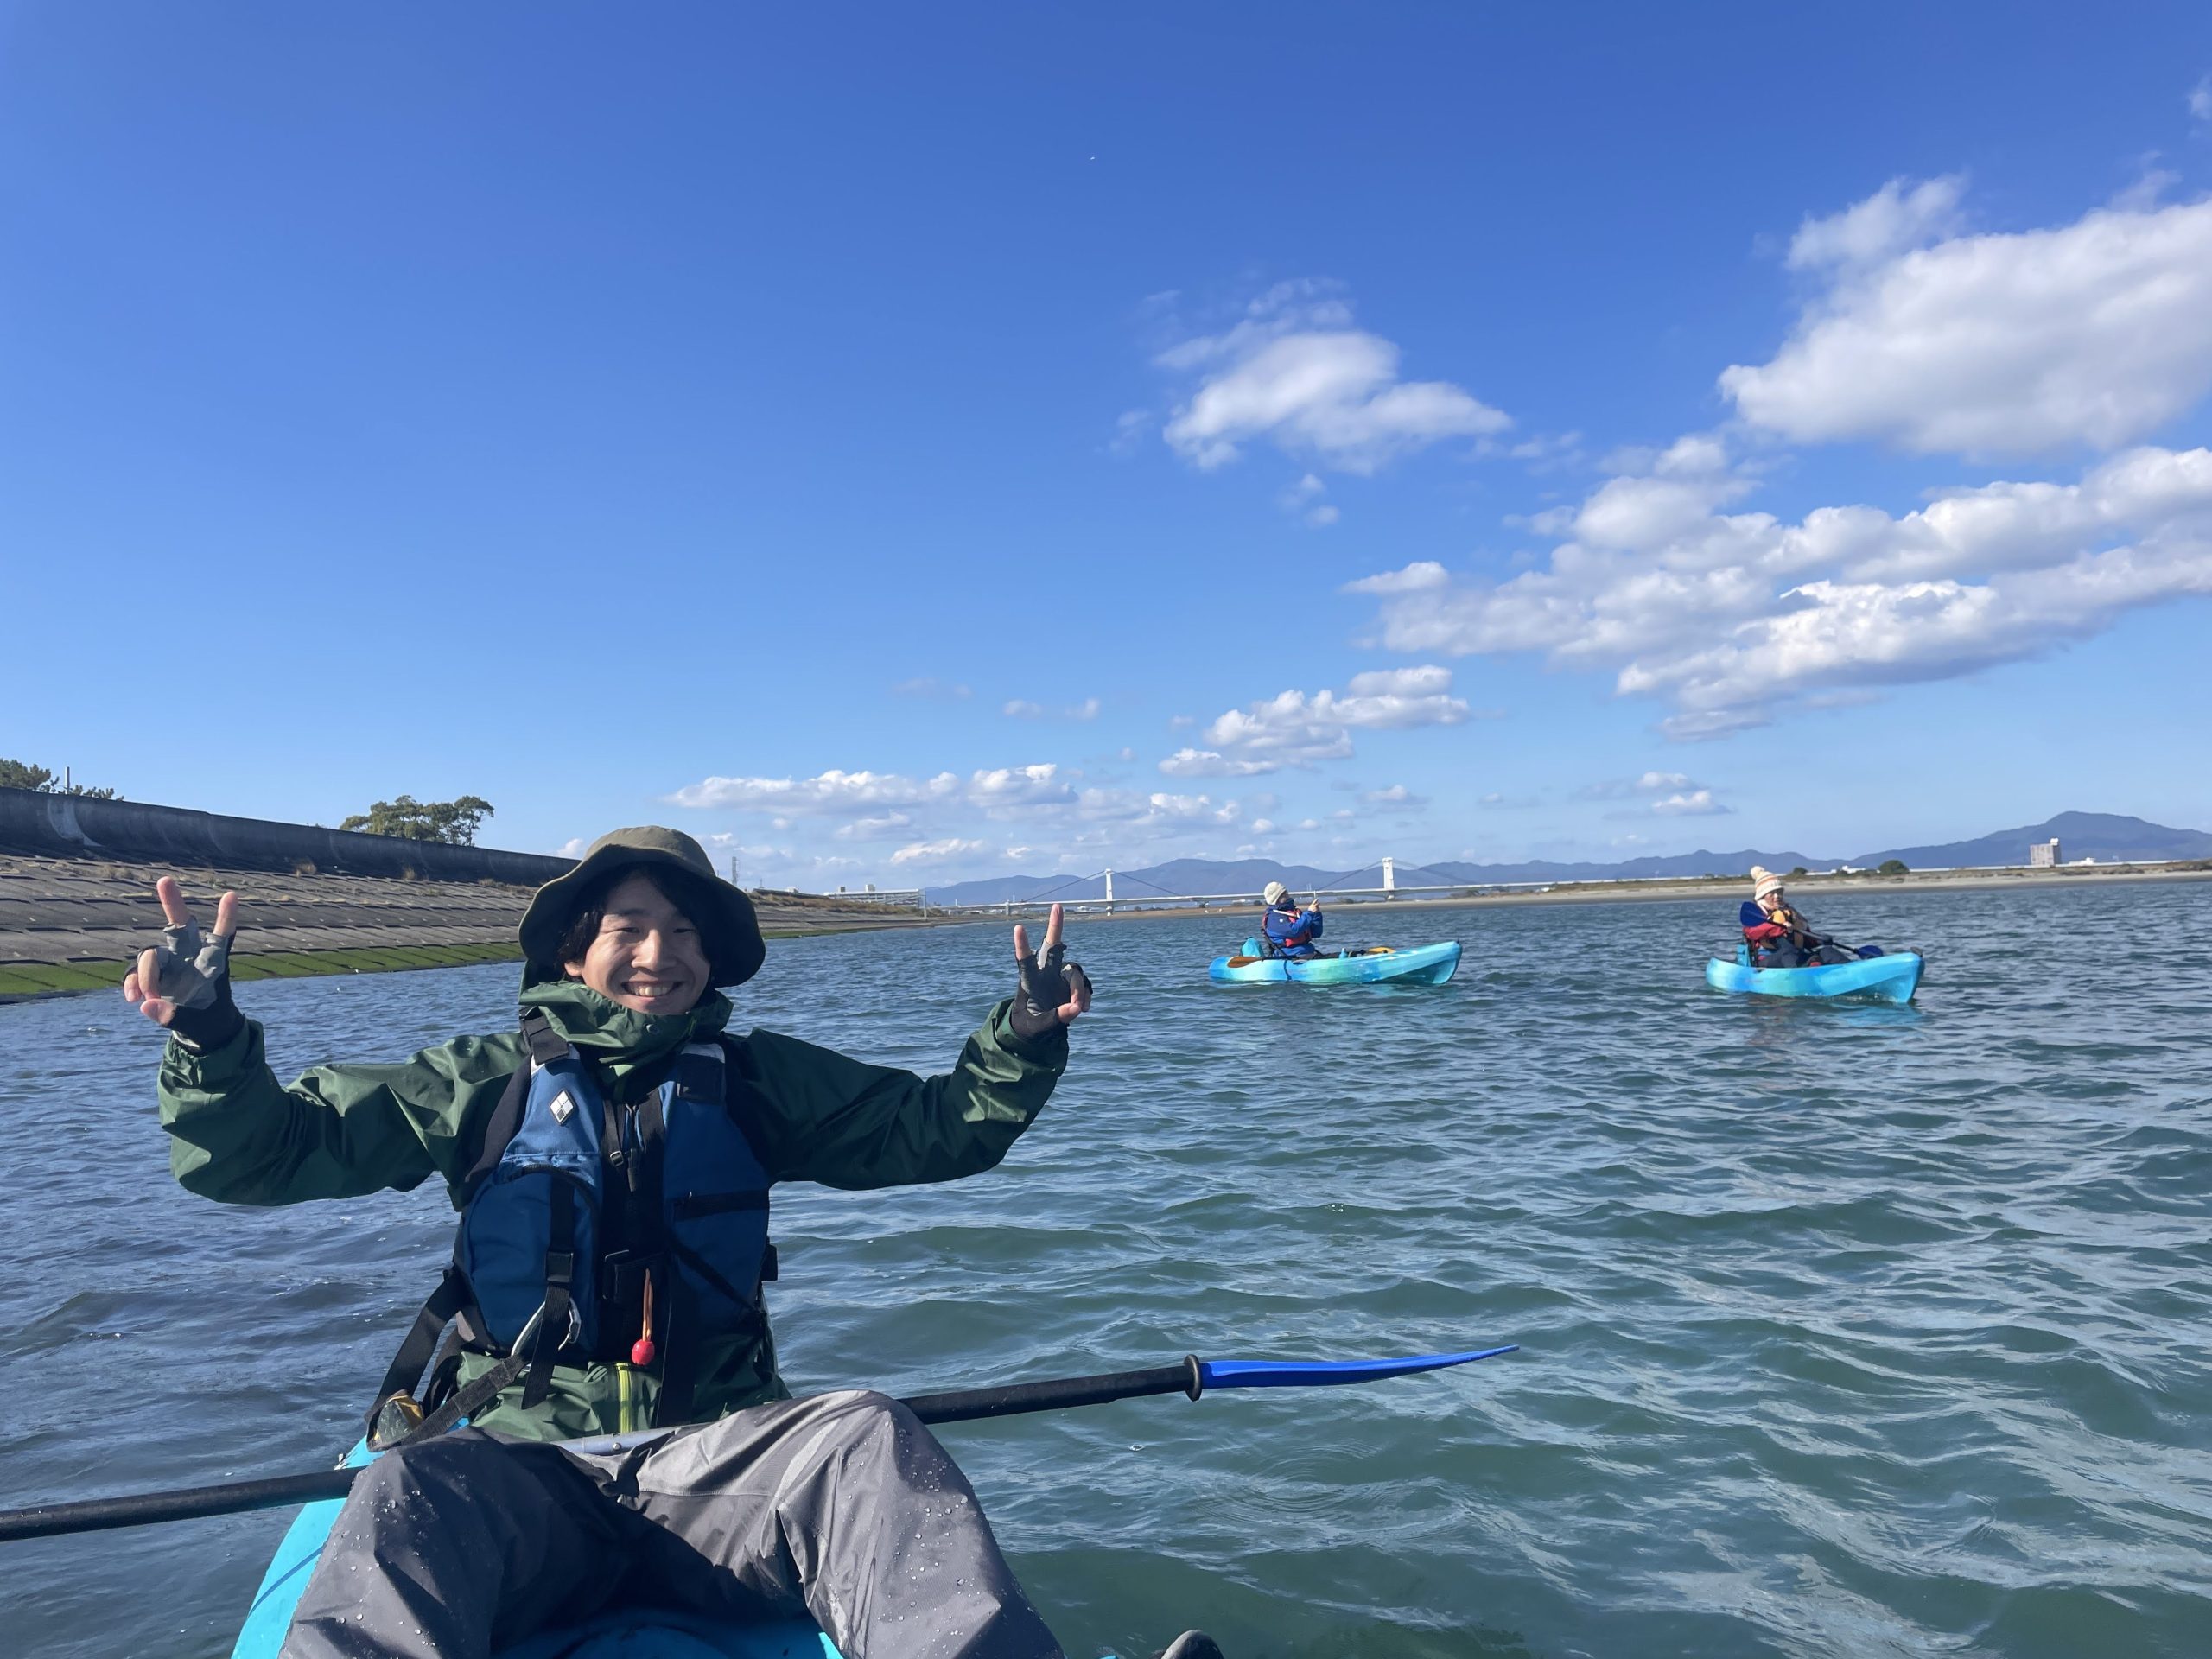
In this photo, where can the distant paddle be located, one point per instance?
(1192, 1376)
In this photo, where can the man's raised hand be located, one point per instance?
(184, 982)
(1054, 992)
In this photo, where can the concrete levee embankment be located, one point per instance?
(35, 824)
(76, 895)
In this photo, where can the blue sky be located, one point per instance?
(909, 444)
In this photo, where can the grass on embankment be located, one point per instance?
(19, 981)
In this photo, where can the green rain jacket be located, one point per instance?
(340, 1131)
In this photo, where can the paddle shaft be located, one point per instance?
(966, 1405)
(281, 1491)
(1816, 940)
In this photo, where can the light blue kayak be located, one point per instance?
(623, 1633)
(1892, 978)
(1424, 964)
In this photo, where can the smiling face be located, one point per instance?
(647, 954)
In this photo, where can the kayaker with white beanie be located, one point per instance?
(612, 1162)
(1778, 934)
(1285, 929)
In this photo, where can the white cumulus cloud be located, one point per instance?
(1211, 763)
(1398, 796)
(1689, 804)
(1296, 371)
(924, 853)
(1732, 616)
(874, 829)
(863, 795)
(831, 791)
(2014, 343)
(1006, 787)
(1896, 217)
(1294, 729)
(1623, 789)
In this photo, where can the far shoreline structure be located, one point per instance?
(77, 877)
(2005, 877)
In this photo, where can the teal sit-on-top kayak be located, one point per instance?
(1424, 964)
(1892, 978)
(623, 1633)
(647, 1633)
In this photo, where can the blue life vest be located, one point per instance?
(673, 1180)
(1289, 932)
(571, 1152)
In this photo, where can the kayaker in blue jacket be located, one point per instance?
(1287, 930)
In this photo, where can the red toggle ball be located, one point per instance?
(641, 1351)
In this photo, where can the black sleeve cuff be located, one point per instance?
(202, 1029)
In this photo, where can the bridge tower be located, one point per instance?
(1389, 875)
(1109, 890)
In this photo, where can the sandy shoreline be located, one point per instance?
(1812, 888)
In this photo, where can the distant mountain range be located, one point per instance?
(2105, 837)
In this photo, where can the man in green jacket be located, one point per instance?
(843, 1507)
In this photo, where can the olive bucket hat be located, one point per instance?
(727, 924)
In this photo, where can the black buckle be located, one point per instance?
(545, 1044)
(622, 1275)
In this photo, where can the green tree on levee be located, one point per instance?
(1892, 867)
(21, 774)
(452, 822)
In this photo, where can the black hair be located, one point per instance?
(679, 888)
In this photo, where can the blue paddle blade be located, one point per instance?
(1321, 1374)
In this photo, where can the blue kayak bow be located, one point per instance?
(1192, 1376)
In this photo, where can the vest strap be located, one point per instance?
(698, 1072)
(707, 1270)
(499, 1129)
(629, 1245)
(467, 1401)
(560, 1295)
(679, 1356)
(652, 1137)
(419, 1345)
(545, 1044)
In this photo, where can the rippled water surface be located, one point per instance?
(1848, 1330)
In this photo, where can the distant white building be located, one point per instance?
(2044, 855)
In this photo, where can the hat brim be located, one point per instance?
(729, 928)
